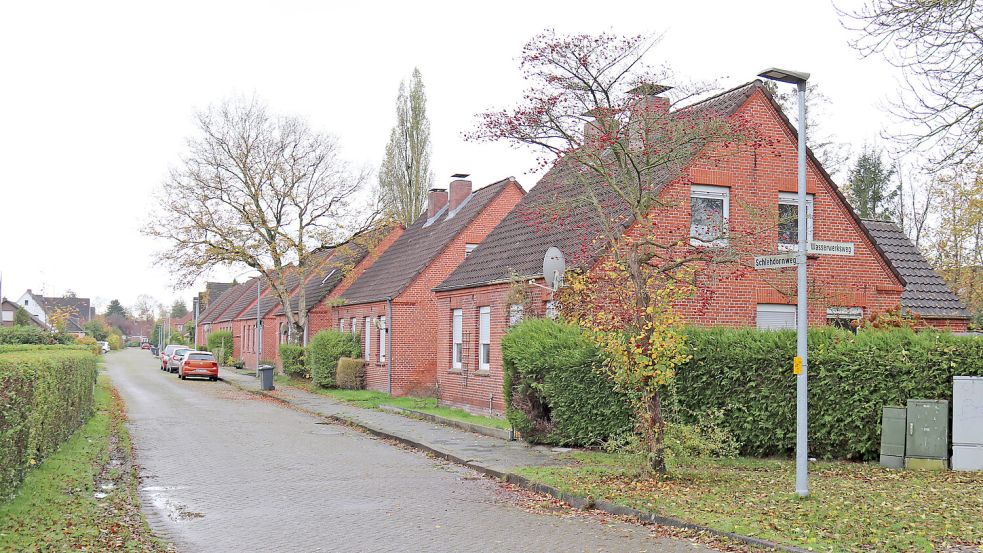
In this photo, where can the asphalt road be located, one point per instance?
(223, 470)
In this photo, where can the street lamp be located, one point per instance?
(802, 313)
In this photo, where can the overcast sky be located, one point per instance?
(96, 98)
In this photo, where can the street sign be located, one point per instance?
(830, 248)
(780, 261)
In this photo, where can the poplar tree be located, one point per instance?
(405, 175)
(870, 188)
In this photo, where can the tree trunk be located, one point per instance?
(655, 429)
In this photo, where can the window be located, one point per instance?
(457, 340)
(773, 316)
(341, 325)
(354, 325)
(551, 309)
(367, 338)
(284, 333)
(468, 248)
(788, 221)
(484, 338)
(844, 317)
(710, 210)
(383, 331)
(516, 310)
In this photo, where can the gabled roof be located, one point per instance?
(248, 296)
(75, 307)
(422, 241)
(329, 274)
(925, 292)
(517, 244)
(213, 291)
(10, 306)
(218, 305)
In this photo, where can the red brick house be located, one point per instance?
(478, 301)
(392, 304)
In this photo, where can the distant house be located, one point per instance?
(76, 311)
(9, 310)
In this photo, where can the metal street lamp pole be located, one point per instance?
(259, 326)
(799, 79)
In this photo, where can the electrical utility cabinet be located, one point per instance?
(927, 440)
(894, 428)
(967, 423)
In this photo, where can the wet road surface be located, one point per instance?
(223, 470)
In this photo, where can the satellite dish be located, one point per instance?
(553, 267)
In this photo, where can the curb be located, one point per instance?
(575, 501)
(460, 425)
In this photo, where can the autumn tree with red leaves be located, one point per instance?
(598, 120)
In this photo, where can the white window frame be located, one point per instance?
(457, 338)
(354, 325)
(791, 198)
(768, 311)
(341, 324)
(516, 312)
(714, 193)
(468, 248)
(368, 339)
(382, 339)
(552, 309)
(484, 338)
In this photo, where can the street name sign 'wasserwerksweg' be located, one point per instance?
(779, 261)
(830, 248)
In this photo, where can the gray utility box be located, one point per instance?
(967, 423)
(894, 428)
(928, 430)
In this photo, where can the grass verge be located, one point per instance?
(57, 509)
(371, 399)
(853, 506)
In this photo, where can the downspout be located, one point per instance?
(389, 341)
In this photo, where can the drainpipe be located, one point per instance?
(389, 341)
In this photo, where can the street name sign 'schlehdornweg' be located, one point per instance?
(774, 261)
(830, 248)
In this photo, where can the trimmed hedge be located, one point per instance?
(324, 351)
(32, 335)
(351, 374)
(45, 395)
(292, 357)
(747, 374)
(553, 392)
(220, 343)
(11, 348)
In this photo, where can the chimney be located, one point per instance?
(649, 99)
(603, 120)
(460, 190)
(436, 199)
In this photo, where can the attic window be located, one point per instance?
(468, 248)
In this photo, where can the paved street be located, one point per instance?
(225, 471)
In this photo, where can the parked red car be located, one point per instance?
(198, 363)
(145, 345)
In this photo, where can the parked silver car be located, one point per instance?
(167, 352)
(174, 361)
(104, 346)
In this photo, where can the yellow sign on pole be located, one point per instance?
(797, 365)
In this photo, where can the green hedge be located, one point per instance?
(220, 343)
(553, 392)
(747, 374)
(12, 348)
(351, 374)
(32, 335)
(292, 358)
(324, 351)
(44, 397)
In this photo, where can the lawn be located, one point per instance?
(853, 506)
(56, 508)
(371, 399)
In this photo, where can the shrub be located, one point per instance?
(324, 351)
(746, 374)
(90, 342)
(32, 335)
(552, 392)
(45, 394)
(115, 342)
(351, 374)
(235, 363)
(220, 343)
(292, 357)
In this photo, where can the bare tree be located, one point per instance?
(937, 45)
(262, 191)
(832, 155)
(405, 175)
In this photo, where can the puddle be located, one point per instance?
(173, 511)
(100, 495)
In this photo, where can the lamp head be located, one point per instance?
(784, 75)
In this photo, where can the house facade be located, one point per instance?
(750, 189)
(392, 305)
(74, 310)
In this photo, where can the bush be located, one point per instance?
(553, 393)
(351, 374)
(220, 343)
(45, 394)
(292, 357)
(32, 335)
(746, 374)
(90, 342)
(324, 351)
(115, 342)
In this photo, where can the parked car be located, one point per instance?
(198, 363)
(174, 364)
(167, 352)
(145, 345)
(104, 346)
